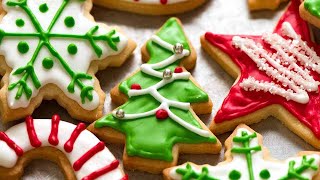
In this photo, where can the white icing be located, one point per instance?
(277, 169)
(155, 1)
(289, 66)
(150, 69)
(79, 62)
(84, 142)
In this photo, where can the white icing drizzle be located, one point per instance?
(289, 66)
(276, 169)
(79, 62)
(150, 69)
(84, 142)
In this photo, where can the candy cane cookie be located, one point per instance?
(77, 151)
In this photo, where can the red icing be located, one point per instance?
(162, 114)
(178, 70)
(53, 137)
(136, 86)
(34, 141)
(68, 146)
(85, 157)
(11, 144)
(113, 165)
(240, 102)
(125, 177)
(164, 1)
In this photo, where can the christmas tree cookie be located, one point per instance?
(152, 7)
(247, 159)
(52, 50)
(278, 74)
(79, 153)
(310, 11)
(158, 120)
(264, 4)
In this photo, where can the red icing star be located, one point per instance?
(240, 103)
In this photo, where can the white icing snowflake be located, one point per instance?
(53, 42)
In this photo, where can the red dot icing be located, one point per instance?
(135, 86)
(178, 70)
(162, 114)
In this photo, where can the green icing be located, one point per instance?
(245, 139)
(72, 49)
(47, 63)
(20, 22)
(69, 21)
(44, 36)
(264, 174)
(43, 8)
(23, 47)
(313, 7)
(297, 172)
(188, 173)
(148, 137)
(234, 175)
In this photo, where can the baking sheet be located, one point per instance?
(219, 16)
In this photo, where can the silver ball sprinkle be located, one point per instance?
(178, 48)
(120, 113)
(167, 74)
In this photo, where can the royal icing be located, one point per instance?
(53, 42)
(249, 163)
(276, 68)
(158, 114)
(164, 2)
(88, 156)
(312, 6)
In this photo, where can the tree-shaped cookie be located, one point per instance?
(247, 159)
(152, 7)
(310, 11)
(48, 49)
(278, 74)
(157, 121)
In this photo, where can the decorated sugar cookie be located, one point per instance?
(310, 11)
(277, 75)
(77, 151)
(152, 7)
(264, 4)
(158, 120)
(51, 50)
(247, 159)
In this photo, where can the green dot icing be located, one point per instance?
(264, 174)
(313, 7)
(23, 47)
(43, 8)
(20, 22)
(234, 175)
(69, 21)
(148, 137)
(47, 63)
(72, 49)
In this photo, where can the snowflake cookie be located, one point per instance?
(60, 142)
(152, 7)
(158, 120)
(278, 74)
(247, 159)
(48, 48)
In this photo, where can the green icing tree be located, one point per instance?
(44, 35)
(149, 137)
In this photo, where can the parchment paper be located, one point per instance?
(219, 16)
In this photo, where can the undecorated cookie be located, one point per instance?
(158, 120)
(52, 50)
(247, 159)
(80, 155)
(152, 7)
(278, 74)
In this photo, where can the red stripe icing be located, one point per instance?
(34, 141)
(113, 165)
(11, 144)
(84, 158)
(53, 137)
(68, 146)
(125, 177)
